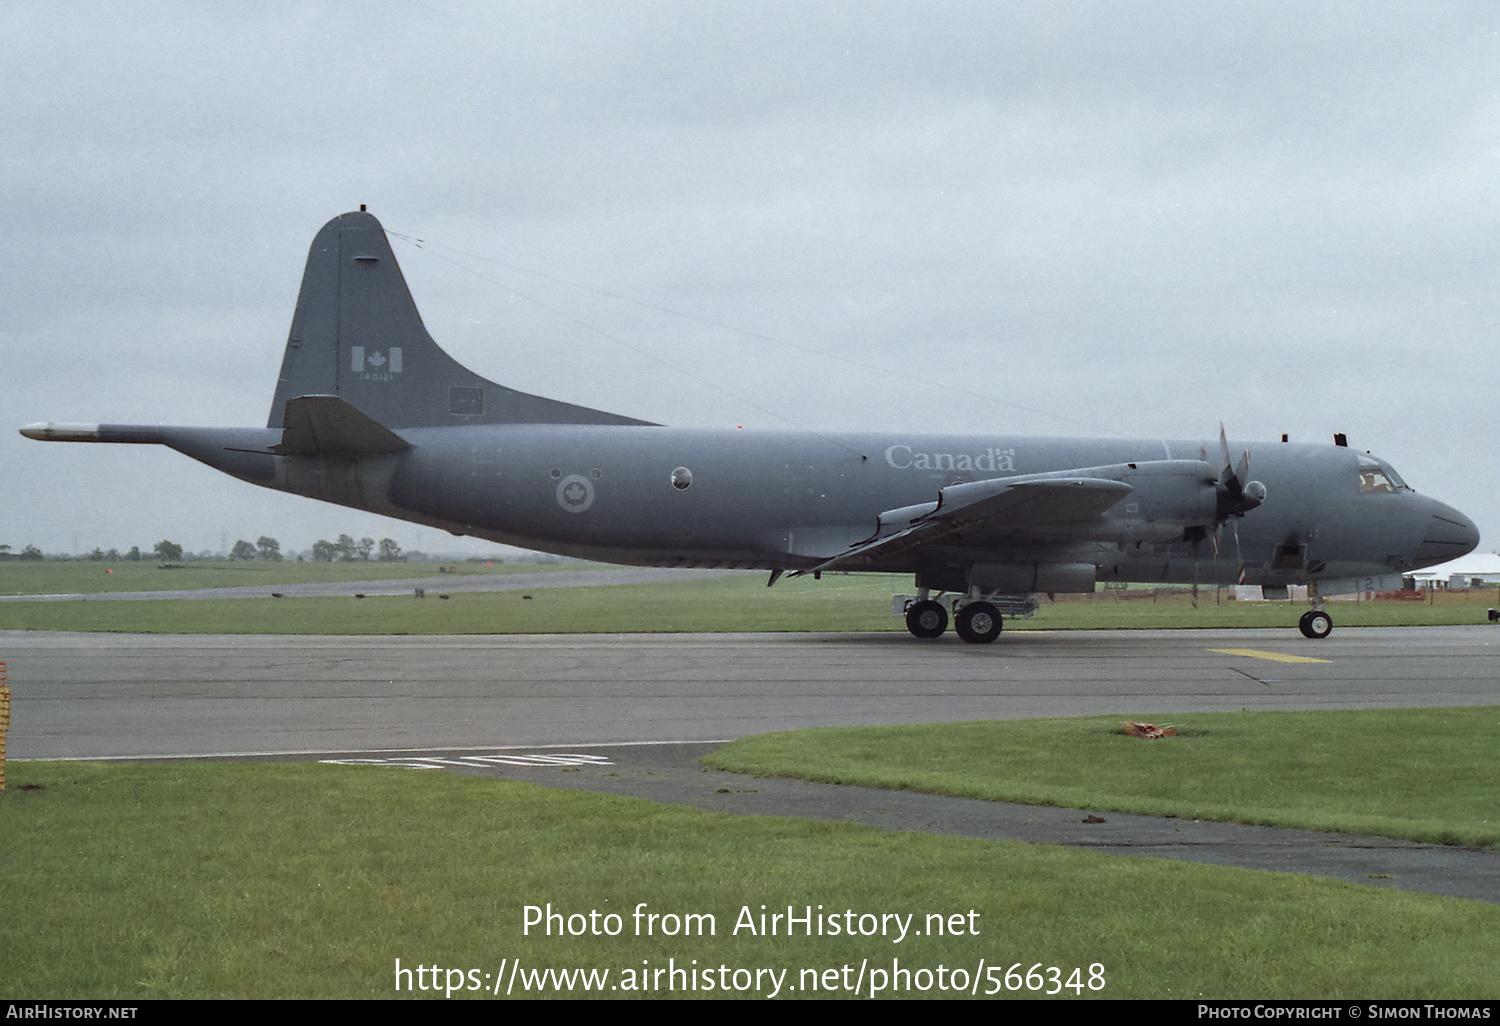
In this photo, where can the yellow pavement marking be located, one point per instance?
(1255, 653)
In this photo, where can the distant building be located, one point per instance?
(1476, 570)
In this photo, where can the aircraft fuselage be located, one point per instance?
(774, 500)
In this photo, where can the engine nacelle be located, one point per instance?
(1168, 497)
(1025, 578)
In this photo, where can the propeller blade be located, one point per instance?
(1236, 495)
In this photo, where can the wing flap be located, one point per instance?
(1015, 502)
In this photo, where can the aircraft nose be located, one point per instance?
(1448, 534)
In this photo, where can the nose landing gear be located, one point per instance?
(1315, 623)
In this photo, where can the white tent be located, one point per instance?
(1483, 567)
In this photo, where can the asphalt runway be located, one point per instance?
(513, 705)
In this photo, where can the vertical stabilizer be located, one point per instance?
(357, 335)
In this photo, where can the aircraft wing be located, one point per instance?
(1018, 503)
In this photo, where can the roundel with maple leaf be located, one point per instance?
(575, 493)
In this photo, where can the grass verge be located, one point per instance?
(87, 576)
(1420, 774)
(302, 880)
(734, 603)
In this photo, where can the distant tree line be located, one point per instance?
(267, 550)
(115, 555)
(167, 552)
(346, 549)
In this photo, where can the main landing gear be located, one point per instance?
(978, 623)
(927, 619)
(977, 620)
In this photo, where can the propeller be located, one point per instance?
(1235, 496)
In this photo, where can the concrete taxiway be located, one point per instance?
(106, 695)
(672, 774)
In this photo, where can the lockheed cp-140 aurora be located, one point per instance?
(369, 412)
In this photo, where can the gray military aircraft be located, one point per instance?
(369, 412)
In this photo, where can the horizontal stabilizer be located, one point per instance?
(327, 425)
(129, 433)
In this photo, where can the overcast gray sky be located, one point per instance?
(1034, 218)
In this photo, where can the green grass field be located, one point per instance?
(1422, 774)
(303, 880)
(731, 603)
(84, 577)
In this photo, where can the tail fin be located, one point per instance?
(357, 335)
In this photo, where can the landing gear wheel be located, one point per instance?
(927, 619)
(978, 623)
(1315, 624)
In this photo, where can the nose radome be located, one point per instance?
(1448, 535)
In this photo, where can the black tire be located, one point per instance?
(978, 623)
(1315, 623)
(927, 619)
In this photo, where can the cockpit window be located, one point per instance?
(1379, 476)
